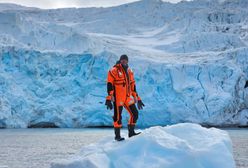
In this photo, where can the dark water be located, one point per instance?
(240, 146)
(29, 148)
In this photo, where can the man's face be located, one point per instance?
(124, 62)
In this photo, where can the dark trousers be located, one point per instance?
(132, 111)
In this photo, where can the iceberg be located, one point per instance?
(182, 145)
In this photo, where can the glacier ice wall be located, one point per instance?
(190, 66)
(70, 90)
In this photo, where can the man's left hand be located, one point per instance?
(140, 104)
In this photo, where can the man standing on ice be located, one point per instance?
(122, 92)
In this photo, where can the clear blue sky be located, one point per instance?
(71, 3)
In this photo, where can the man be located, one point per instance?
(122, 92)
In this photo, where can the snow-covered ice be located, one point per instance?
(177, 146)
(190, 66)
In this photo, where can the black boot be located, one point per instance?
(118, 135)
(131, 131)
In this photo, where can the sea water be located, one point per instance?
(28, 148)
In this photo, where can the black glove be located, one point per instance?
(140, 104)
(109, 104)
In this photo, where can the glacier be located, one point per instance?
(189, 59)
(158, 146)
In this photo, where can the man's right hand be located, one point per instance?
(109, 105)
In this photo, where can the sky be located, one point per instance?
(52, 4)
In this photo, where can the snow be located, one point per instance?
(189, 66)
(181, 146)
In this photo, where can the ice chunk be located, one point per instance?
(177, 146)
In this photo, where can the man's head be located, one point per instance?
(124, 60)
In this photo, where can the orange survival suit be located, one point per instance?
(121, 86)
(122, 92)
